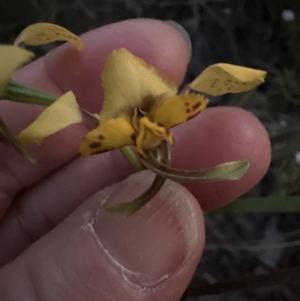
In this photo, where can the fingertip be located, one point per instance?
(158, 43)
(220, 135)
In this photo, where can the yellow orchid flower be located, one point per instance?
(140, 107)
(65, 110)
(13, 57)
(141, 104)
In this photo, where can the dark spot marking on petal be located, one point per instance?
(192, 116)
(188, 110)
(229, 80)
(95, 144)
(133, 137)
(244, 84)
(186, 104)
(101, 137)
(196, 106)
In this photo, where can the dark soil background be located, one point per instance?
(263, 34)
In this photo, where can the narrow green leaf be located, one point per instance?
(9, 139)
(273, 204)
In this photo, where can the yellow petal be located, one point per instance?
(44, 33)
(62, 113)
(178, 109)
(223, 78)
(11, 58)
(129, 82)
(109, 135)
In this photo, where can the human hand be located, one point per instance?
(56, 243)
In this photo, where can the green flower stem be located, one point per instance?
(273, 204)
(139, 202)
(227, 171)
(163, 156)
(21, 93)
(9, 139)
(132, 158)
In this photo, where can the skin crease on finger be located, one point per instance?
(218, 135)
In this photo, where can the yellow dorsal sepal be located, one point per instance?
(44, 33)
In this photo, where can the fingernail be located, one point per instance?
(183, 33)
(151, 245)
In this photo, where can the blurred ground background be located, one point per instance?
(263, 34)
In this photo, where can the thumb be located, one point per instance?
(150, 255)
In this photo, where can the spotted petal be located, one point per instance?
(11, 58)
(128, 82)
(44, 33)
(178, 109)
(111, 134)
(62, 113)
(223, 78)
